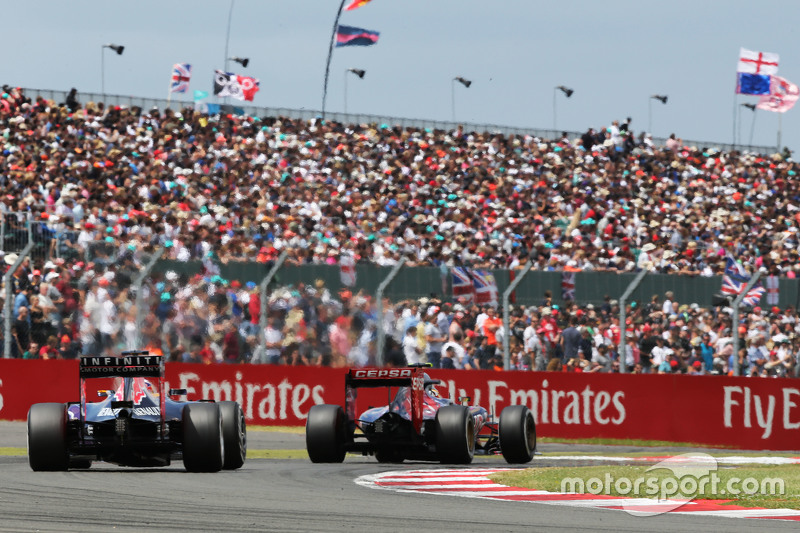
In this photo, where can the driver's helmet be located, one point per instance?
(430, 386)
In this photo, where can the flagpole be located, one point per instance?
(169, 91)
(752, 127)
(330, 54)
(227, 42)
(780, 116)
(735, 105)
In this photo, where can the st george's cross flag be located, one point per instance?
(754, 70)
(757, 62)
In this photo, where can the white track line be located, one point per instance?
(476, 484)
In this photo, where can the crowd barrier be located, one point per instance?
(757, 414)
(351, 118)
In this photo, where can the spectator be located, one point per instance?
(410, 346)
(434, 337)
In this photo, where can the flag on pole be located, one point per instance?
(350, 36)
(735, 279)
(757, 62)
(199, 95)
(752, 83)
(355, 4)
(181, 74)
(782, 96)
(239, 87)
(754, 70)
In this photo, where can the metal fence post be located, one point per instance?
(137, 286)
(262, 290)
(623, 330)
(735, 319)
(506, 318)
(380, 341)
(9, 305)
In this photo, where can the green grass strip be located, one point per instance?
(276, 454)
(13, 452)
(297, 430)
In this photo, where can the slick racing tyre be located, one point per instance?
(326, 434)
(47, 437)
(234, 435)
(455, 435)
(517, 434)
(203, 446)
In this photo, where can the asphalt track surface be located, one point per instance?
(289, 495)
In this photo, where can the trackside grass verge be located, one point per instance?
(551, 479)
(297, 430)
(277, 454)
(13, 452)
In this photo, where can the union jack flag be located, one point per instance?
(735, 280)
(485, 287)
(462, 283)
(181, 74)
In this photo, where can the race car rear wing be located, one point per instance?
(131, 364)
(412, 377)
(382, 377)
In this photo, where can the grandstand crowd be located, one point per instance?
(229, 188)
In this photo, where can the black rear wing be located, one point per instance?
(412, 377)
(130, 365)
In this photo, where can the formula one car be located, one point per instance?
(136, 424)
(417, 424)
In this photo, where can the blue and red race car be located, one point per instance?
(136, 424)
(417, 424)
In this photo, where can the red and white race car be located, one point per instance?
(416, 423)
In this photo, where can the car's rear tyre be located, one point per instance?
(234, 434)
(455, 435)
(517, 434)
(326, 434)
(389, 456)
(203, 446)
(47, 437)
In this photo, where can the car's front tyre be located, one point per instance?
(517, 434)
(455, 435)
(234, 434)
(203, 446)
